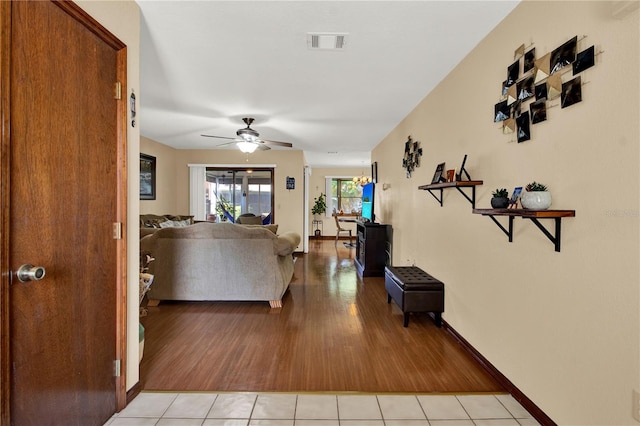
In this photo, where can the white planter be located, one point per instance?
(536, 200)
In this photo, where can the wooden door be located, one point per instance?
(62, 192)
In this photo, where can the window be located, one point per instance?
(232, 192)
(346, 195)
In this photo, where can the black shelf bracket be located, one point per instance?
(554, 239)
(472, 200)
(509, 232)
(436, 197)
(459, 184)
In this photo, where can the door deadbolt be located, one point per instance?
(30, 273)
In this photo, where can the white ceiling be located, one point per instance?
(207, 64)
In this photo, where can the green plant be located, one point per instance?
(319, 206)
(535, 186)
(222, 205)
(500, 193)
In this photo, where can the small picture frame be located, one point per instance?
(437, 176)
(147, 177)
(451, 175)
(291, 182)
(513, 201)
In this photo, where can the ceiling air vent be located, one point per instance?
(326, 41)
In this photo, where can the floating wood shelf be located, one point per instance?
(532, 215)
(457, 185)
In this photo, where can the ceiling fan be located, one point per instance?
(248, 140)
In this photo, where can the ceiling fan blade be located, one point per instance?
(218, 137)
(263, 147)
(276, 143)
(226, 144)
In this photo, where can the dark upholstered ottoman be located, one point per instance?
(414, 291)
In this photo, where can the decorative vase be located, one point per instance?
(499, 202)
(536, 200)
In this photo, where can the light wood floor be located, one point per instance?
(335, 333)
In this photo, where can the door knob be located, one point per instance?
(30, 273)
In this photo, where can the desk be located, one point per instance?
(348, 218)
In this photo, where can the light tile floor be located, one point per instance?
(290, 409)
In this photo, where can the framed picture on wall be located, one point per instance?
(374, 172)
(437, 176)
(147, 177)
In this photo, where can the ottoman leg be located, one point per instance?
(405, 318)
(438, 318)
(388, 298)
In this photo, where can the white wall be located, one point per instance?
(563, 327)
(122, 18)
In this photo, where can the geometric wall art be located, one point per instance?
(522, 123)
(411, 157)
(532, 82)
(571, 92)
(538, 111)
(585, 59)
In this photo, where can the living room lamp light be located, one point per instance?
(247, 147)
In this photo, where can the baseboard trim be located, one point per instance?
(517, 394)
(133, 392)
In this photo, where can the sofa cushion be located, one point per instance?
(273, 227)
(223, 230)
(175, 223)
(147, 231)
(184, 220)
(160, 221)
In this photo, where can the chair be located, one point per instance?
(249, 219)
(340, 229)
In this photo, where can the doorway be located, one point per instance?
(239, 191)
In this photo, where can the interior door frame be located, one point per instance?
(95, 27)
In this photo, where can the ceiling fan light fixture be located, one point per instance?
(247, 147)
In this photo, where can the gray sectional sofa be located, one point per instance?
(220, 262)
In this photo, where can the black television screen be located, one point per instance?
(368, 194)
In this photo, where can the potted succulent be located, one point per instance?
(500, 198)
(536, 197)
(319, 207)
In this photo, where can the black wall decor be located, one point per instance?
(291, 182)
(531, 82)
(412, 154)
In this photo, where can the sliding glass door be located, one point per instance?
(230, 193)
